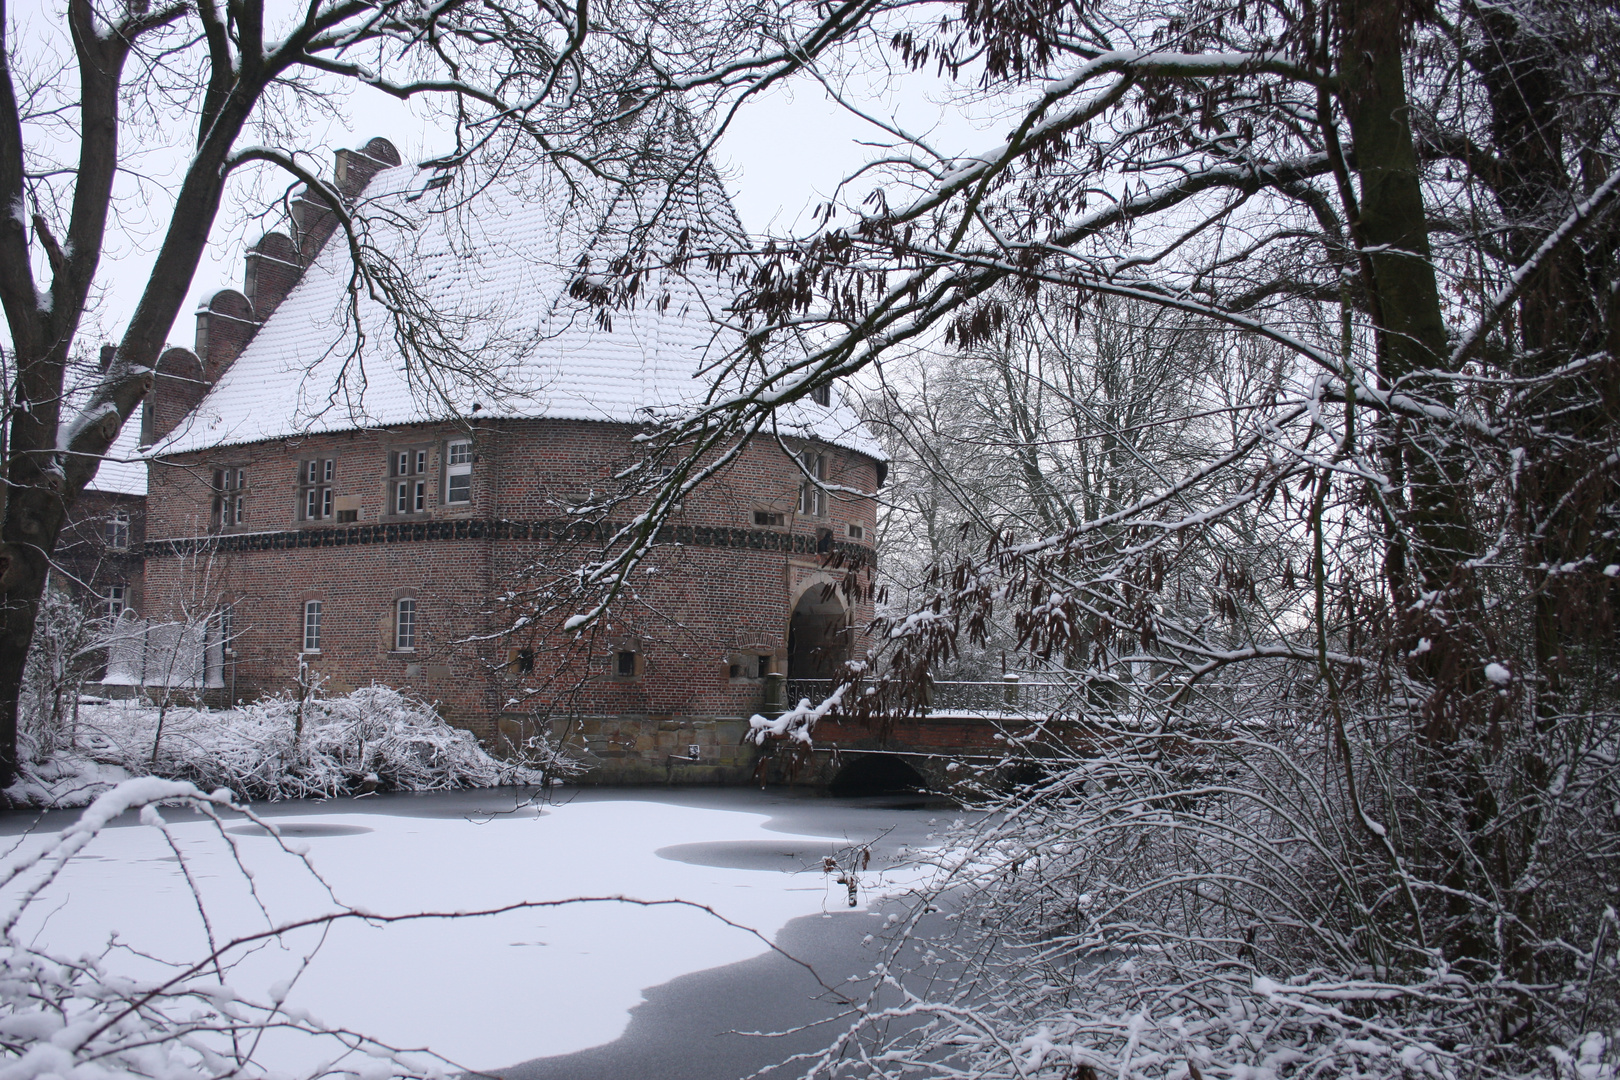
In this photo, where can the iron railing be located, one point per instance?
(1010, 694)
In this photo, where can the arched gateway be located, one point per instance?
(820, 635)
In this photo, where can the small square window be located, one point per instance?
(523, 662)
(624, 664)
(746, 665)
(771, 519)
(857, 532)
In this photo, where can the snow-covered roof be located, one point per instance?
(123, 468)
(123, 471)
(498, 265)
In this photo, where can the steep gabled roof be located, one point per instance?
(499, 265)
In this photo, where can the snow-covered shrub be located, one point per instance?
(1223, 895)
(374, 738)
(65, 651)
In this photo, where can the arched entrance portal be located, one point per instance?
(818, 635)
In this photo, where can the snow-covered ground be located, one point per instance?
(484, 992)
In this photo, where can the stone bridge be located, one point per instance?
(968, 730)
(967, 733)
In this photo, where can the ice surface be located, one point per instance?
(485, 992)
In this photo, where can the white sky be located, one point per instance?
(784, 154)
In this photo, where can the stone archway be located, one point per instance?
(818, 635)
(876, 774)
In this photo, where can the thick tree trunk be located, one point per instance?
(24, 584)
(44, 483)
(1430, 583)
(1395, 230)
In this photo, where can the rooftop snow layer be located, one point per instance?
(122, 470)
(497, 266)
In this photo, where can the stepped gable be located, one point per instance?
(501, 265)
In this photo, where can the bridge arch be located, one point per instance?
(876, 774)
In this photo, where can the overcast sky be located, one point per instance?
(784, 154)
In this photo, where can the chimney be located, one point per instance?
(227, 321)
(352, 170)
(178, 385)
(271, 272)
(225, 324)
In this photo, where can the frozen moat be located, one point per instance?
(560, 988)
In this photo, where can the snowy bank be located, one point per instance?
(371, 739)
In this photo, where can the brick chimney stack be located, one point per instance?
(228, 320)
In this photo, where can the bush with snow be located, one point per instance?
(374, 738)
(1209, 898)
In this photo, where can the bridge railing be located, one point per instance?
(1010, 694)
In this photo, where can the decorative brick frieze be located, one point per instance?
(503, 529)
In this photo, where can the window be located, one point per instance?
(118, 531)
(407, 484)
(230, 497)
(624, 664)
(312, 626)
(750, 665)
(458, 463)
(770, 518)
(812, 496)
(116, 600)
(857, 532)
(523, 661)
(315, 488)
(821, 395)
(227, 629)
(405, 626)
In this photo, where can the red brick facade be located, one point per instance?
(715, 595)
(99, 552)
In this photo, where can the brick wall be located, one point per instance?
(718, 587)
(92, 556)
